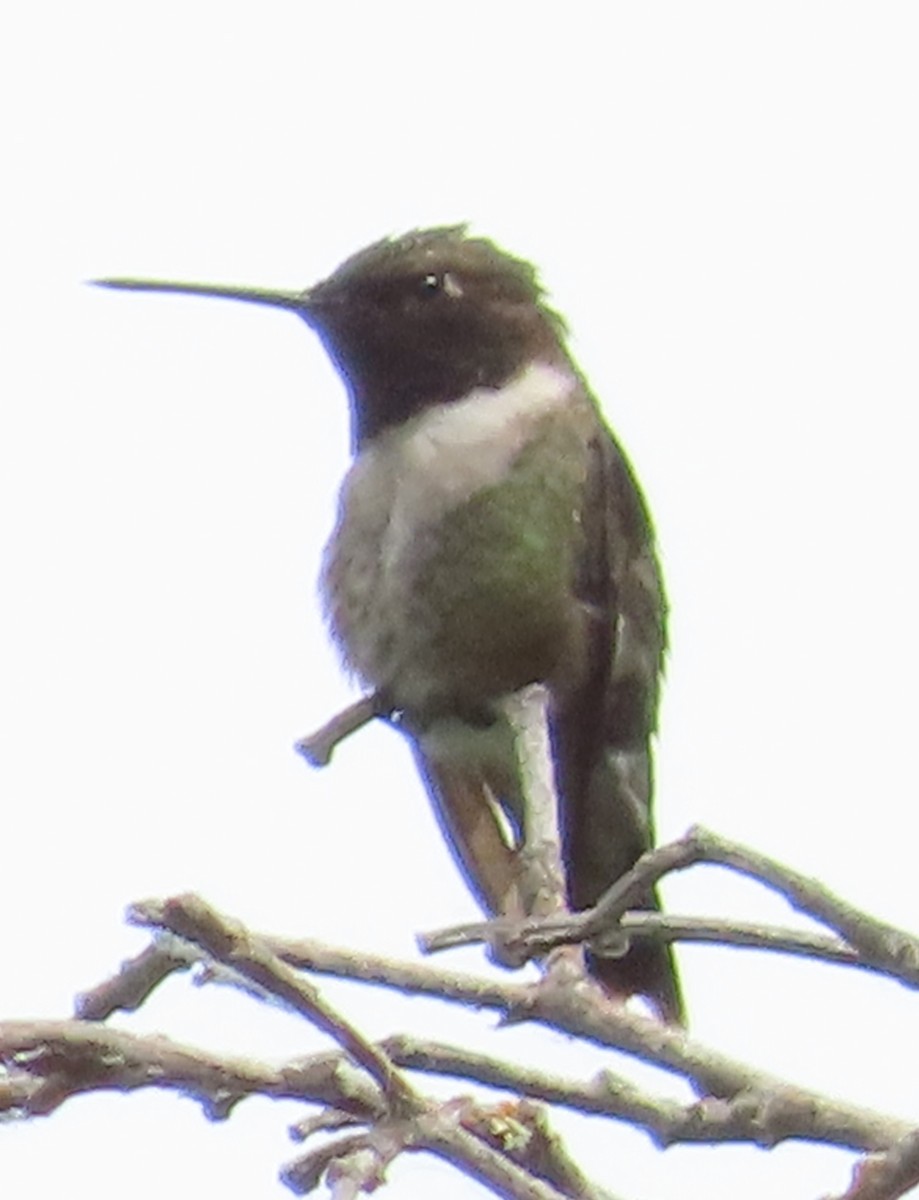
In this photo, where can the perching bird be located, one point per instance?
(491, 535)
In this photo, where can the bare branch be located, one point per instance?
(532, 938)
(868, 944)
(232, 944)
(357, 1163)
(372, 1110)
(418, 979)
(351, 1164)
(579, 1011)
(762, 1116)
(335, 1080)
(887, 1176)
(346, 1161)
(51, 1061)
(892, 950)
(582, 1013)
(136, 978)
(329, 1120)
(887, 948)
(751, 935)
(305, 1173)
(317, 748)
(542, 883)
(521, 1129)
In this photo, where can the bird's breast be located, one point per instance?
(449, 575)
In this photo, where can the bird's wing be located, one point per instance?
(601, 730)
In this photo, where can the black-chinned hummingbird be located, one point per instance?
(491, 535)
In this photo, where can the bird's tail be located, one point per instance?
(606, 827)
(474, 790)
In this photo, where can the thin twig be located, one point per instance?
(136, 978)
(889, 1175)
(893, 950)
(317, 748)
(867, 943)
(304, 1173)
(531, 938)
(232, 944)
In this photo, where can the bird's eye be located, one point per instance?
(436, 284)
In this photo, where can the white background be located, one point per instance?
(723, 199)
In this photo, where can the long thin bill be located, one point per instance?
(297, 301)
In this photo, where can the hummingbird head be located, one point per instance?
(416, 320)
(424, 318)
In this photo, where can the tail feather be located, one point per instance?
(604, 831)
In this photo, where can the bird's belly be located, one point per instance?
(445, 601)
(471, 609)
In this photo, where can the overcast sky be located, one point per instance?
(723, 200)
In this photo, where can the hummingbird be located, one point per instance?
(491, 535)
